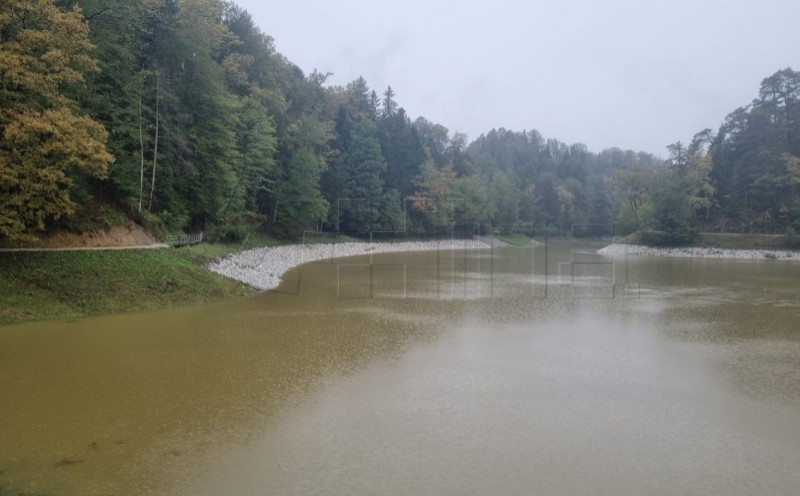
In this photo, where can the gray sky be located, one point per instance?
(635, 74)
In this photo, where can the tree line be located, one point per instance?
(745, 177)
(182, 115)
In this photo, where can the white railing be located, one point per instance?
(184, 239)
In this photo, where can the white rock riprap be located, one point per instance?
(619, 250)
(263, 268)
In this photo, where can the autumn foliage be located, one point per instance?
(43, 50)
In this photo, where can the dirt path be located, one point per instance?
(154, 246)
(130, 236)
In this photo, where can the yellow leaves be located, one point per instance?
(566, 199)
(434, 194)
(29, 196)
(59, 138)
(421, 202)
(792, 169)
(44, 48)
(55, 58)
(42, 141)
(39, 150)
(441, 184)
(236, 66)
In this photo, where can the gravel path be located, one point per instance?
(263, 268)
(618, 250)
(154, 246)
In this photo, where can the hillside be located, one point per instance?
(188, 119)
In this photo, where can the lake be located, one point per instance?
(510, 371)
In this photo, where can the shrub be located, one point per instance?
(791, 238)
(230, 233)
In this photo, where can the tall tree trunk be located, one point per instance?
(141, 153)
(155, 144)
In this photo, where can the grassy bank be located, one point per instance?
(731, 241)
(59, 285)
(52, 285)
(514, 240)
(746, 241)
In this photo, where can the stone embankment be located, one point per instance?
(263, 268)
(618, 250)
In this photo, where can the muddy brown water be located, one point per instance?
(504, 371)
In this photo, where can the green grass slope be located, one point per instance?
(57, 285)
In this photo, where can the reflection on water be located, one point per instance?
(506, 371)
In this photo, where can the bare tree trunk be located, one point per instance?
(155, 143)
(141, 153)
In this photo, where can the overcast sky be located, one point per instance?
(636, 74)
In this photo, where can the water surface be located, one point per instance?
(511, 371)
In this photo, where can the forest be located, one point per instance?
(182, 116)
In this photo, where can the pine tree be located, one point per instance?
(362, 188)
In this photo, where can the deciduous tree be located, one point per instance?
(43, 50)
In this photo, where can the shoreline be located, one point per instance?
(620, 250)
(73, 284)
(263, 268)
